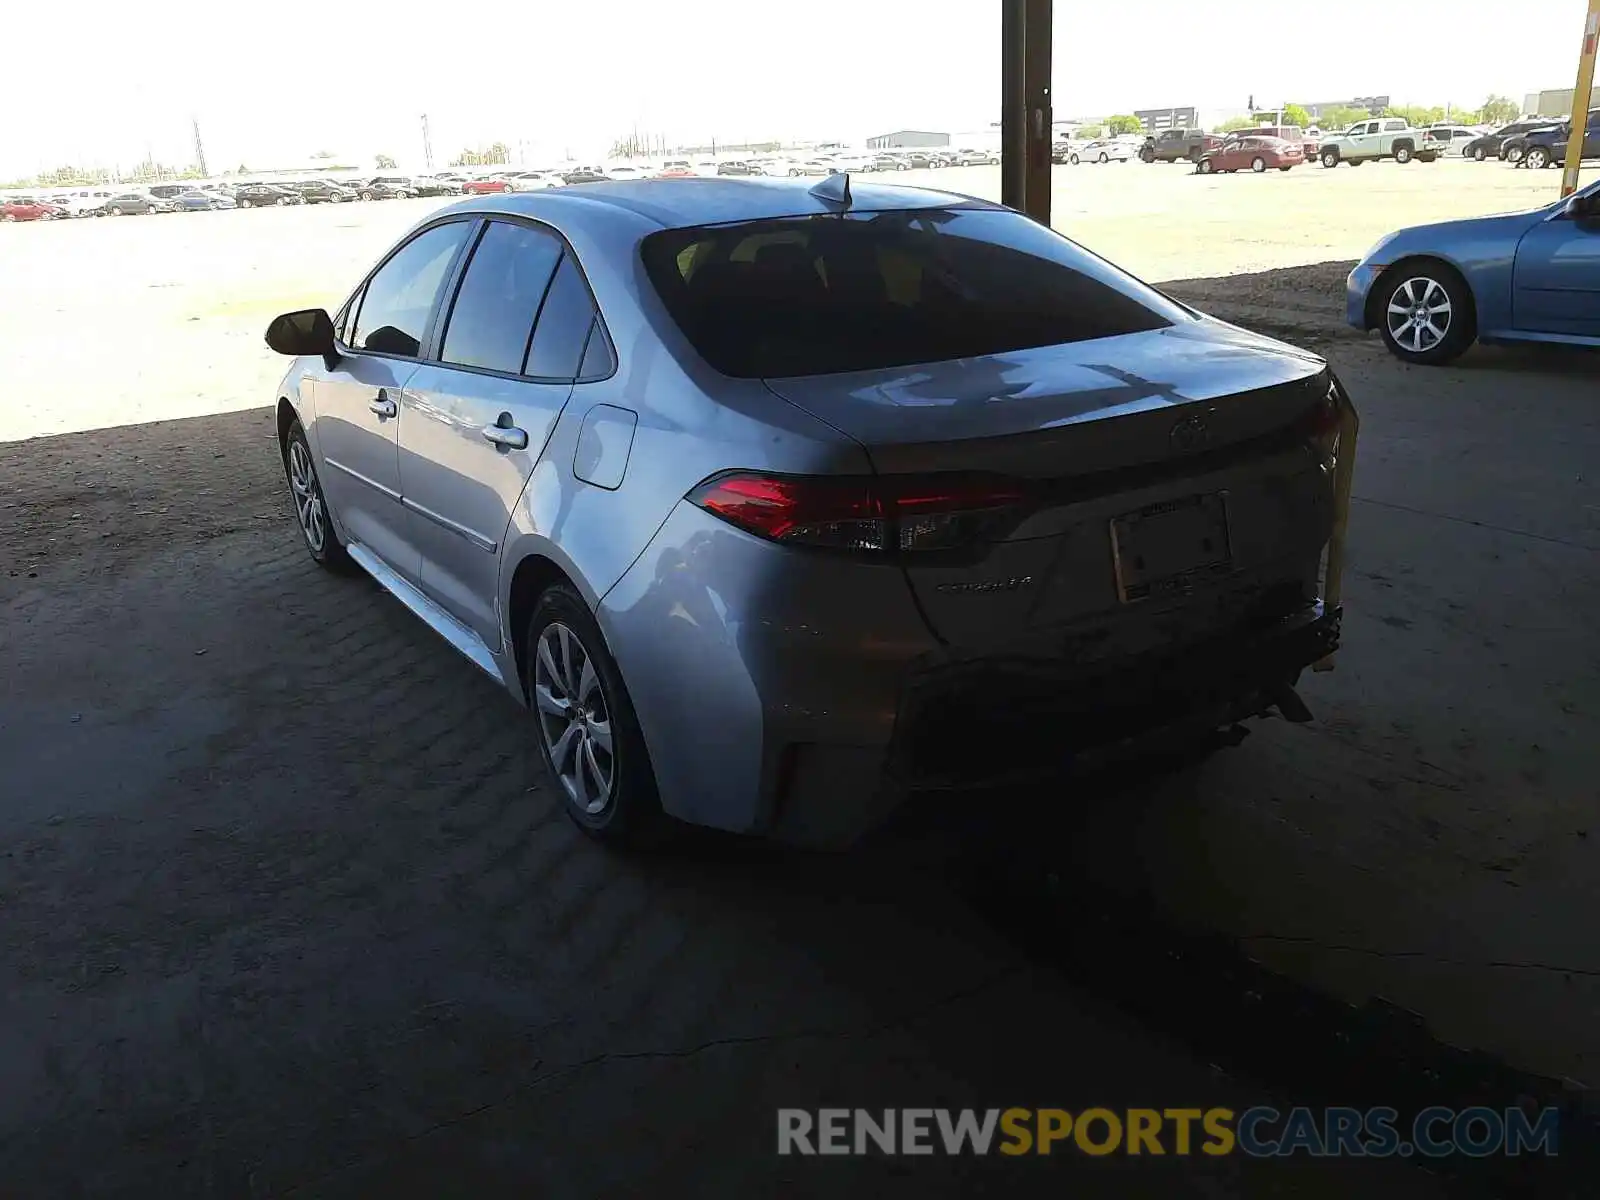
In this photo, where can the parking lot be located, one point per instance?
(258, 942)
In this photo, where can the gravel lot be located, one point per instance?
(286, 906)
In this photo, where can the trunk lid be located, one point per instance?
(1097, 432)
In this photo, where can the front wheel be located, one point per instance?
(1330, 158)
(1538, 158)
(1258, 165)
(1514, 155)
(1479, 154)
(1426, 316)
(367, 196)
(588, 734)
(1104, 157)
(1073, 160)
(244, 203)
(1204, 167)
(310, 506)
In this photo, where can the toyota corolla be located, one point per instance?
(776, 503)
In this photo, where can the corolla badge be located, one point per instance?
(1190, 434)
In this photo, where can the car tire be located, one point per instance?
(1285, 168)
(365, 196)
(1538, 158)
(1514, 155)
(1330, 158)
(604, 780)
(1147, 155)
(1479, 154)
(1402, 154)
(1074, 160)
(1204, 167)
(1409, 291)
(10, 218)
(244, 203)
(310, 505)
(1258, 164)
(1104, 157)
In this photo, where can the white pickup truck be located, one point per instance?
(1381, 137)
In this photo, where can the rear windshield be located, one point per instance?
(861, 291)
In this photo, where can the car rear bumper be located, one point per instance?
(807, 703)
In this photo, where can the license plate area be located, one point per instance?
(1170, 548)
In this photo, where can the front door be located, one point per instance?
(357, 401)
(475, 424)
(1557, 276)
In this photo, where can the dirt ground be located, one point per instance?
(287, 908)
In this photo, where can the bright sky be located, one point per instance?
(104, 81)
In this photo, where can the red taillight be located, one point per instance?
(863, 513)
(1323, 421)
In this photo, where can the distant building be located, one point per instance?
(1557, 103)
(907, 137)
(1157, 119)
(1373, 105)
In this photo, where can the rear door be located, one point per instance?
(476, 421)
(357, 401)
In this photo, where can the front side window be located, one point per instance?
(820, 295)
(499, 297)
(399, 299)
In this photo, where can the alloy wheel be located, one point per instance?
(574, 718)
(308, 507)
(1419, 314)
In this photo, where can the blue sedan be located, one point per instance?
(1523, 277)
(201, 202)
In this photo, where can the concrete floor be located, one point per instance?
(287, 909)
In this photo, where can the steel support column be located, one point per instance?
(1025, 116)
(1580, 99)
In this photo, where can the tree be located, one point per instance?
(1293, 114)
(1124, 123)
(1090, 131)
(1234, 124)
(1499, 110)
(385, 163)
(1342, 118)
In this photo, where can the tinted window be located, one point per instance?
(400, 297)
(499, 297)
(817, 295)
(563, 329)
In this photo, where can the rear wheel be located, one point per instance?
(1479, 153)
(1402, 154)
(1514, 155)
(1258, 164)
(244, 202)
(588, 734)
(1104, 157)
(1538, 158)
(1426, 313)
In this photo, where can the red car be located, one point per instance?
(26, 208)
(484, 187)
(1252, 153)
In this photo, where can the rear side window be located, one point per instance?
(562, 334)
(400, 297)
(492, 318)
(821, 295)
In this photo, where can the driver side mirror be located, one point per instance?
(309, 331)
(1582, 208)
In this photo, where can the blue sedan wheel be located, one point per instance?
(1426, 314)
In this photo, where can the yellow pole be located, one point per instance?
(1580, 99)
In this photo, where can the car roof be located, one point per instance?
(676, 203)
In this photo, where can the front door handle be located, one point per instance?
(382, 405)
(506, 435)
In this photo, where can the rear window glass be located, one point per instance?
(861, 291)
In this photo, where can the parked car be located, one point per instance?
(1256, 154)
(1521, 277)
(30, 208)
(1449, 139)
(433, 185)
(1493, 145)
(1309, 143)
(321, 191)
(532, 181)
(262, 195)
(486, 185)
(1368, 141)
(969, 513)
(1103, 150)
(83, 202)
(1176, 145)
(200, 202)
(584, 175)
(813, 166)
(387, 187)
(676, 168)
(1069, 151)
(169, 191)
(1548, 146)
(737, 167)
(125, 204)
(975, 158)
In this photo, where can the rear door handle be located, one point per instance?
(382, 405)
(507, 435)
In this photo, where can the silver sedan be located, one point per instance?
(774, 501)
